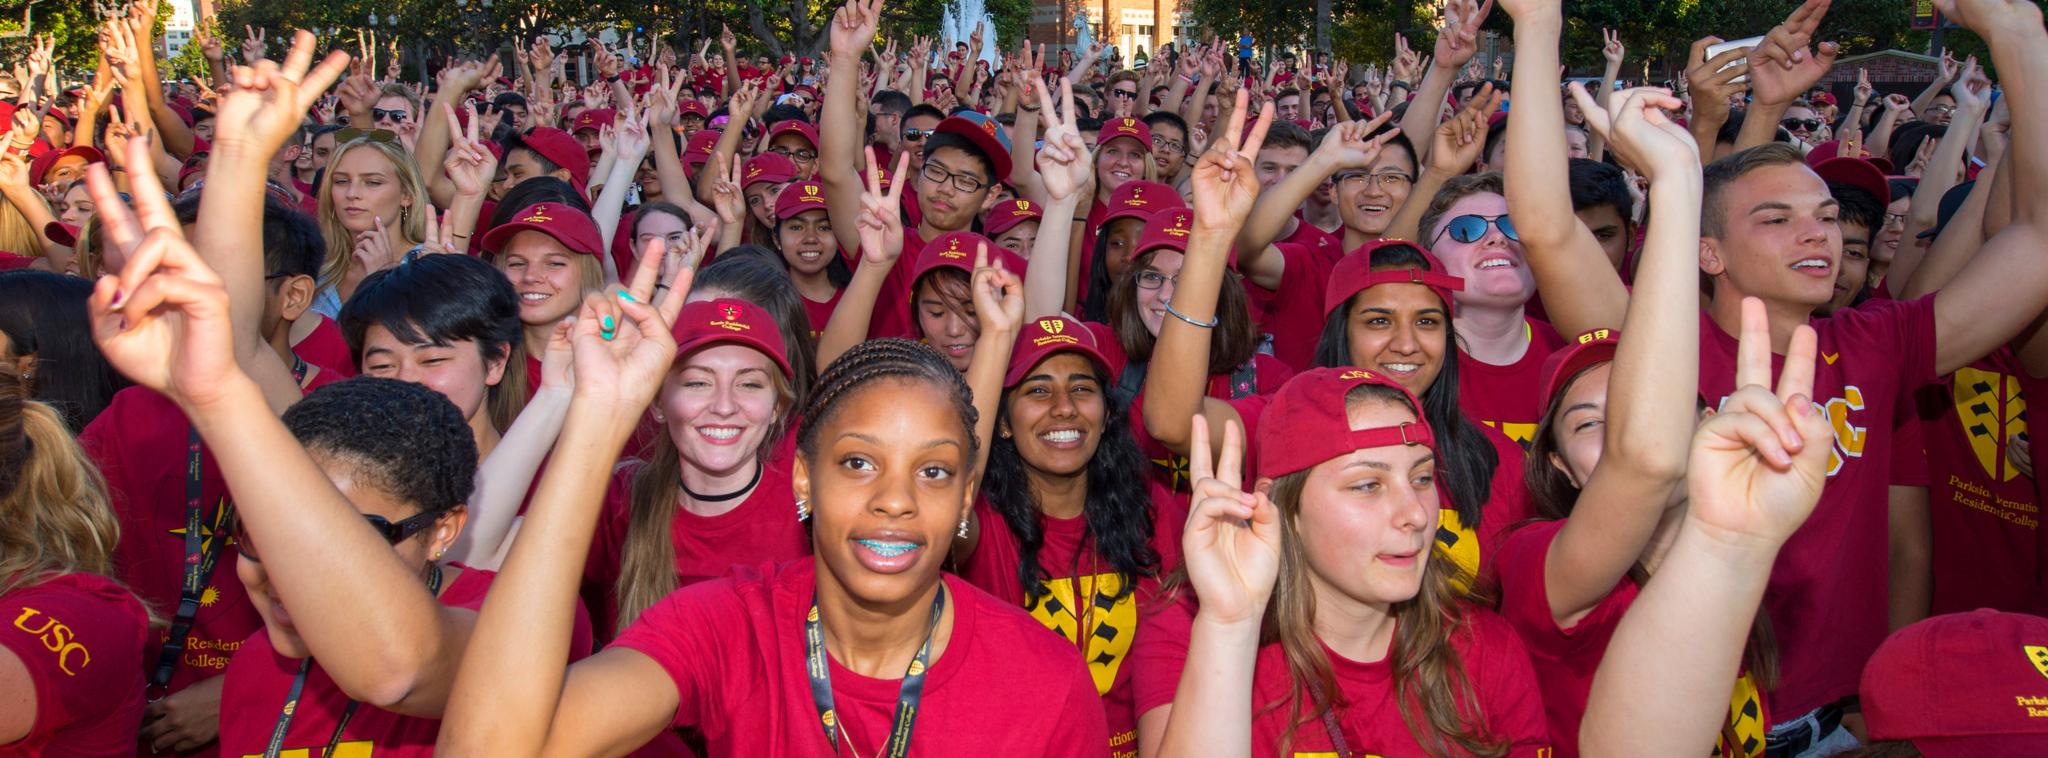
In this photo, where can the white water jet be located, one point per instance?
(958, 26)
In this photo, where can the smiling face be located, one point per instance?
(1367, 519)
(456, 370)
(1275, 163)
(671, 231)
(1400, 330)
(1496, 274)
(1368, 203)
(1894, 231)
(806, 242)
(1580, 429)
(798, 150)
(719, 403)
(1780, 238)
(1120, 161)
(1122, 235)
(1056, 415)
(1288, 107)
(365, 190)
(1854, 268)
(1163, 266)
(945, 315)
(546, 274)
(888, 484)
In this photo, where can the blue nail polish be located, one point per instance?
(608, 324)
(627, 296)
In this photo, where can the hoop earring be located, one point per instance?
(803, 510)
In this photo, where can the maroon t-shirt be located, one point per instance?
(141, 444)
(1171, 470)
(81, 638)
(327, 348)
(1507, 397)
(1983, 511)
(1565, 658)
(1507, 504)
(892, 316)
(735, 649)
(821, 313)
(1827, 594)
(260, 679)
(763, 527)
(1294, 313)
(1494, 661)
(1080, 599)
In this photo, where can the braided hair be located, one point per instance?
(874, 360)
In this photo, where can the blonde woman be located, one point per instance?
(373, 208)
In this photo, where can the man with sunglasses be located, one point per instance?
(919, 123)
(1803, 123)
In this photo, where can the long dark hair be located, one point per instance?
(1463, 452)
(443, 299)
(1117, 508)
(43, 314)
(1233, 342)
(1095, 307)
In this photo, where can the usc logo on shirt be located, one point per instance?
(1091, 601)
(55, 637)
(1850, 439)
(359, 749)
(1993, 412)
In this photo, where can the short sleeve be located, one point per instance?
(1525, 594)
(1161, 651)
(81, 648)
(1082, 727)
(693, 634)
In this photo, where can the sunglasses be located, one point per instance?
(1123, 93)
(1472, 228)
(1799, 124)
(917, 135)
(351, 134)
(395, 114)
(392, 533)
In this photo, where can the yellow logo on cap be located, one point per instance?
(731, 322)
(1595, 335)
(1023, 206)
(953, 249)
(810, 191)
(1052, 325)
(2039, 656)
(1355, 374)
(539, 215)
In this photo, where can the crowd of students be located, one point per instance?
(901, 403)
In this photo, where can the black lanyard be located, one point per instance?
(201, 554)
(907, 697)
(1330, 726)
(291, 698)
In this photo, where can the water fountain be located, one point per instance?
(958, 26)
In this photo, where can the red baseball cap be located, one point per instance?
(1125, 127)
(43, 163)
(767, 167)
(1594, 347)
(1963, 685)
(956, 250)
(593, 119)
(704, 323)
(1856, 172)
(1306, 423)
(562, 150)
(1006, 216)
(986, 134)
(61, 233)
(569, 226)
(797, 126)
(697, 151)
(1140, 199)
(691, 106)
(1168, 228)
(1353, 274)
(799, 197)
(1042, 339)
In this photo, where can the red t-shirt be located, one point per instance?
(140, 443)
(260, 679)
(325, 347)
(1077, 596)
(892, 316)
(1507, 504)
(1983, 511)
(1493, 659)
(1507, 397)
(1565, 659)
(81, 638)
(821, 313)
(1328, 246)
(1827, 591)
(763, 527)
(1294, 312)
(735, 649)
(1171, 470)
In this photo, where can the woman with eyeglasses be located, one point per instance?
(373, 207)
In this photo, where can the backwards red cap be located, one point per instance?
(1858, 173)
(1353, 274)
(1007, 215)
(1594, 347)
(1140, 199)
(710, 322)
(1048, 336)
(562, 150)
(567, 225)
(1963, 685)
(986, 134)
(798, 197)
(1306, 423)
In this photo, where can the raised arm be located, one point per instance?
(1782, 68)
(456, 83)
(629, 127)
(839, 125)
(1456, 43)
(1454, 147)
(1944, 76)
(1064, 167)
(1562, 252)
(879, 228)
(1347, 147)
(1944, 168)
(999, 311)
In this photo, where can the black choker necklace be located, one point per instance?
(721, 498)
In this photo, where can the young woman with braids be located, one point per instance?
(74, 637)
(791, 659)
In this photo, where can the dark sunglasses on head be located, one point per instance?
(1796, 124)
(351, 134)
(395, 114)
(392, 533)
(1471, 228)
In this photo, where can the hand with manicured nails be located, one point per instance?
(1641, 133)
(372, 250)
(998, 295)
(1064, 164)
(1782, 67)
(440, 234)
(1232, 542)
(1458, 140)
(881, 219)
(1758, 465)
(162, 321)
(1225, 185)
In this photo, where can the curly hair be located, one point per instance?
(1117, 508)
(399, 437)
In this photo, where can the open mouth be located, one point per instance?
(1063, 438)
(1817, 266)
(886, 554)
(720, 435)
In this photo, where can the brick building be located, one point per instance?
(1135, 26)
(1891, 71)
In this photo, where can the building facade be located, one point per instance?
(1136, 27)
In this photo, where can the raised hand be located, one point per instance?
(998, 295)
(209, 45)
(1613, 51)
(269, 100)
(727, 40)
(1782, 67)
(1923, 155)
(1458, 40)
(1224, 184)
(1949, 68)
(1972, 90)
(629, 128)
(162, 321)
(1064, 164)
(609, 64)
(1458, 141)
(1758, 465)
(726, 196)
(253, 46)
(1863, 88)
(1232, 542)
(881, 218)
(1641, 133)
(372, 249)
(1708, 82)
(358, 94)
(469, 165)
(622, 343)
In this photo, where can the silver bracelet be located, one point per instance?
(1210, 324)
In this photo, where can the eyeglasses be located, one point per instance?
(1385, 179)
(392, 533)
(395, 114)
(916, 135)
(1120, 92)
(1800, 124)
(1941, 109)
(1472, 228)
(967, 183)
(1152, 280)
(1894, 218)
(351, 134)
(799, 156)
(1171, 146)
